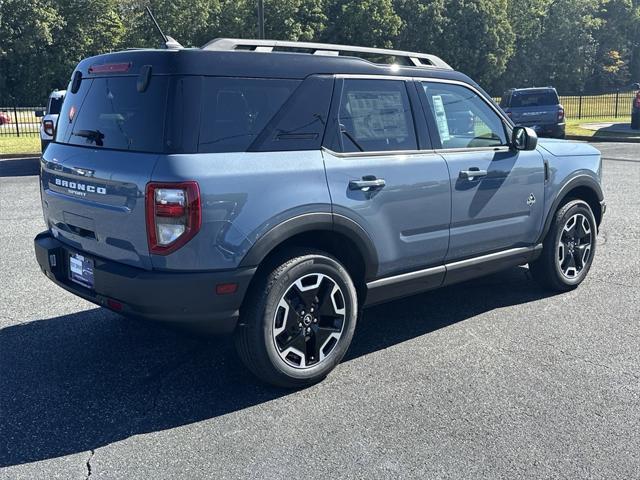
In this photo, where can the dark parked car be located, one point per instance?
(538, 108)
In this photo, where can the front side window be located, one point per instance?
(463, 119)
(375, 115)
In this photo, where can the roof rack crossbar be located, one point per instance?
(414, 58)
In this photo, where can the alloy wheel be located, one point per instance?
(309, 320)
(574, 246)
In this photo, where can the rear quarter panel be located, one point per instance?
(244, 195)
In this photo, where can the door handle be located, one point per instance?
(473, 172)
(368, 182)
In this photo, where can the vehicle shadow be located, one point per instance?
(19, 167)
(78, 382)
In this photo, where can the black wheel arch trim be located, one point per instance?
(324, 221)
(582, 180)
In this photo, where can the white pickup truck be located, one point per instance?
(50, 117)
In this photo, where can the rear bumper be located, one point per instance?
(186, 298)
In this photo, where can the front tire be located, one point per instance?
(568, 249)
(299, 319)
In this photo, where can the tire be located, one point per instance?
(562, 268)
(298, 319)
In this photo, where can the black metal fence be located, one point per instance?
(19, 121)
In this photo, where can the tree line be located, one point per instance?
(584, 46)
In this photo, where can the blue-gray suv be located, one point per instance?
(275, 189)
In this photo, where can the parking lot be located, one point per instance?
(495, 378)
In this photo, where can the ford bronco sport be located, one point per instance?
(275, 189)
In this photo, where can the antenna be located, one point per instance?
(169, 42)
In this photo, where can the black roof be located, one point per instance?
(240, 63)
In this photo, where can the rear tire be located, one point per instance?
(568, 248)
(298, 319)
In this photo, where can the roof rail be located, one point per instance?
(414, 58)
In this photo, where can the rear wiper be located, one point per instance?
(95, 136)
(344, 131)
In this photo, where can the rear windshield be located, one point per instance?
(110, 113)
(55, 104)
(534, 99)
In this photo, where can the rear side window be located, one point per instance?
(375, 115)
(537, 99)
(115, 115)
(235, 110)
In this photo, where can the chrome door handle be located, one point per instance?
(472, 173)
(367, 183)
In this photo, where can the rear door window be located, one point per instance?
(375, 115)
(115, 115)
(235, 110)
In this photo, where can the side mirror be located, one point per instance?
(524, 138)
(39, 113)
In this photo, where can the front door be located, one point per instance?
(497, 192)
(379, 177)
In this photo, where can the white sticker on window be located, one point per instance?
(441, 118)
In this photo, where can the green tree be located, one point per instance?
(372, 23)
(27, 30)
(91, 27)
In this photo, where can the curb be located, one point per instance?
(4, 156)
(596, 138)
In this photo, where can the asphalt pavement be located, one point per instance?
(494, 378)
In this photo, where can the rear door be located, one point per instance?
(94, 176)
(379, 176)
(497, 193)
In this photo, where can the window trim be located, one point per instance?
(333, 119)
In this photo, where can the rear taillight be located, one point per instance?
(560, 114)
(174, 215)
(48, 127)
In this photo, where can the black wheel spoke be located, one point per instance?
(296, 341)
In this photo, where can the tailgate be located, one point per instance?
(93, 200)
(534, 116)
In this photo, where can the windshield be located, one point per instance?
(109, 112)
(535, 99)
(55, 104)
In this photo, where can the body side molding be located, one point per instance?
(410, 283)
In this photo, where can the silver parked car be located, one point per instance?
(50, 117)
